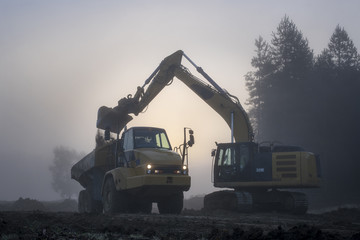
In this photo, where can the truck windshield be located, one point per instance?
(151, 138)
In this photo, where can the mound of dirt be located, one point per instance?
(27, 204)
(343, 214)
(194, 203)
(67, 205)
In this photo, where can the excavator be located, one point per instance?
(254, 176)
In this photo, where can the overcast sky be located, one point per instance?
(61, 60)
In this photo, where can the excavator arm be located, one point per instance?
(115, 119)
(226, 105)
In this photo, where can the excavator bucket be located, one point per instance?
(115, 119)
(112, 119)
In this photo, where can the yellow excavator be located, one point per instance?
(257, 174)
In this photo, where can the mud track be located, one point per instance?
(341, 224)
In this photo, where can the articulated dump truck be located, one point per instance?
(129, 174)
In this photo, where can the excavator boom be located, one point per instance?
(228, 107)
(114, 119)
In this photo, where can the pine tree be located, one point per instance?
(338, 83)
(256, 82)
(342, 50)
(291, 50)
(279, 85)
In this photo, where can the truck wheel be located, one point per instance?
(171, 205)
(110, 197)
(91, 205)
(81, 201)
(86, 204)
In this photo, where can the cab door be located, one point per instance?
(232, 162)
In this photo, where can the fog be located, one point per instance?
(61, 60)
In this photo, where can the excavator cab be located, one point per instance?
(257, 173)
(233, 161)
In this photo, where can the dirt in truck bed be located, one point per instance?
(343, 223)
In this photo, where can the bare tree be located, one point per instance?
(63, 160)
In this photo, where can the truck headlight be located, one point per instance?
(185, 170)
(148, 171)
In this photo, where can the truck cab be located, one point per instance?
(142, 141)
(147, 170)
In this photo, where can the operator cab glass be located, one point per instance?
(146, 138)
(232, 161)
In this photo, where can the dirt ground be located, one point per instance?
(17, 222)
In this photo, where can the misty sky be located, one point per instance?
(61, 60)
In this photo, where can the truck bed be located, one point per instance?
(100, 159)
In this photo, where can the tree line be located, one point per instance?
(299, 98)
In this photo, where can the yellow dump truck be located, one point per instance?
(130, 173)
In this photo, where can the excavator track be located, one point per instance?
(242, 201)
(220, 200)
(228, 200)
(294, 202)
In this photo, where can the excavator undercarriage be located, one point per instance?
(256, 200)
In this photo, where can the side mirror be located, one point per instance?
(107, 134)
(213, 152)
(192, 139)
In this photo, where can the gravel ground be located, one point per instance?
(340, 224)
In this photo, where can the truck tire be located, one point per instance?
(110, 197)
(91, 205)
(86, 204)
(172, 204)
(81, 201)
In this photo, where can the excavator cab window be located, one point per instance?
(232, 162)
(229, 157)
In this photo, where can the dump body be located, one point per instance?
(100, 160)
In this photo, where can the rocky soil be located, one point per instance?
(43, 223)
